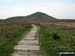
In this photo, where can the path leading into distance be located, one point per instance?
(29, 45)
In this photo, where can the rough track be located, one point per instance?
(29, 45)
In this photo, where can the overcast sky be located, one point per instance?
(62, 9)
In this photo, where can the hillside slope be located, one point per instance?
(37, 15)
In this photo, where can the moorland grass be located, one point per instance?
(8, 48)
(51, 46)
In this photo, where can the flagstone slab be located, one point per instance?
(29, 42)
(30, 38)
(26, 47)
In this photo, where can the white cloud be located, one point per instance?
(63, 10)
(58, 10)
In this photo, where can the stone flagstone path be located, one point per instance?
(29, 45)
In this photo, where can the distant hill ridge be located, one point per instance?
(37, 15)
(40, 15)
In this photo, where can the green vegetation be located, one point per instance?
(10, 35)
(65, 39)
